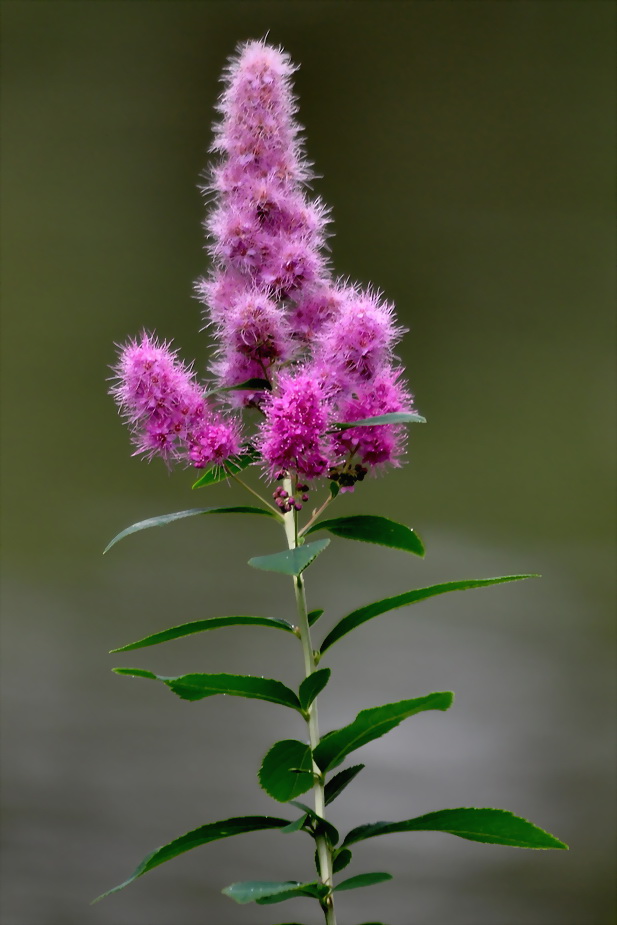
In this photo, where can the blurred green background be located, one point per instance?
(468, 152)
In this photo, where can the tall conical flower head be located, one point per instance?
(263, 229)
(258, 133)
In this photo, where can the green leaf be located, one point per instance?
(369, 528)
(292, 561)
(321, 825)
(493, 826)
(357, 617)
(312, 686)
(362, 880)
(371, 724)
(276, 775)
(313, 616)
(231, 466)
(201, 626)
(341, 860)
(201, 836)
(198, 686)
(266, 891)
(254, 385)
(180, 515)
(337, 784)
(394, 417)
(334, 489)
(294, 826)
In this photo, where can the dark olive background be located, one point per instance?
(467, 150)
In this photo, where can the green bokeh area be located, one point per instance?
(468, 152)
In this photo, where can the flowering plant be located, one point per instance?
(309, 361)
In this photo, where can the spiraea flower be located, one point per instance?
(165, 407)
(315, 350)
(292, 437)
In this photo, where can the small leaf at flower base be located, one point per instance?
(312, 686)
(202, 626)
(371, 724)
(362, 880)
(198, 686)
(267, 891)
(254, 385)
(334, 489)
(233, 465)
(313, 616)
(276, 775)
(492, 826)
(337, 784)
(369, 528)
(291, 561)
(394, 417)
(213, 831)
(321, 825)
(180, 515)
(341, 860)
(360, 616)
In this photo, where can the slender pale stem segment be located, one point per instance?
(324, 851)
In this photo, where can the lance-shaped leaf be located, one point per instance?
(267, 892)
(360, 616)
(393, 417)
(213, 831)
(337, 784)
(362, 880)
(312, 686)
(180, 515)
(369, 528)
(493, 826)
(371, 724)
(287, 770)
(233, 465)
(291, 561)
(198, 686)
(202, 626)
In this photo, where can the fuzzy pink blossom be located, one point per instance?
(384, 443)
(358, 341)
(165, 407)
(292, 437)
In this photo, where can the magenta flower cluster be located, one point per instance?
(304, 349)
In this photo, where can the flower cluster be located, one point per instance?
(166, 408)
(304, 349)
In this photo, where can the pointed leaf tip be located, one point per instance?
(213, 831)
(358, 617)
(180, 515)
(491, 826)
(369, 528)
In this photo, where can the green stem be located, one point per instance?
(256, 494)
(324, 849)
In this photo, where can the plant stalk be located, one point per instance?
(324, 850)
